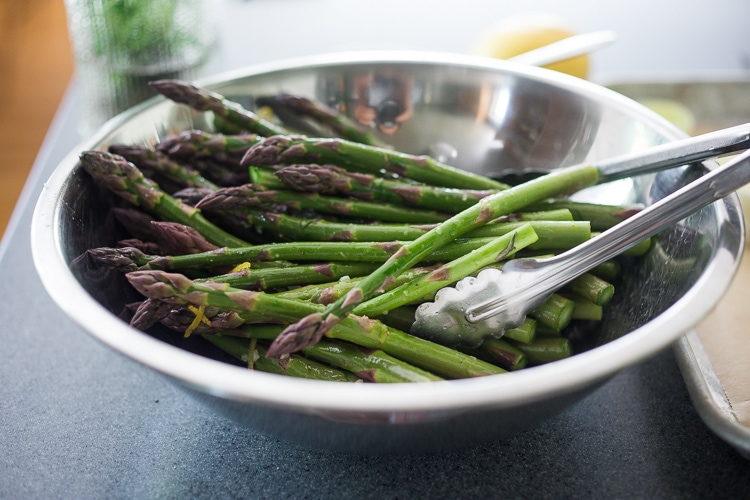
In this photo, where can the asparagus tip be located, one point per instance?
(306, 332)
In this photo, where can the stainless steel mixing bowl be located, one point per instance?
(482, 115)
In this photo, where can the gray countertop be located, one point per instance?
(80, 421)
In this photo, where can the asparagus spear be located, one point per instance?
(299, 149)
(328, 179)
(132, 258)
(372, 365)
(545, 350)
(554, 235)
(600, 216)
(205, 100)
(124, 179)
(179, 239)
(273, 277)
(147, 158)
(556, 312)
(310, 330)
(262, 307)
(252, 195)
(447, 274)
(525, 332)
(285, 103)
(199, 145)
(504, 353)
(293, 366)
(326, 293)
(592, 288)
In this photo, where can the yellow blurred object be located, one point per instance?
(518, 34)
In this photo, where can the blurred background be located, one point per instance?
(657, 41)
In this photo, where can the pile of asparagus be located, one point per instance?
(307, 256)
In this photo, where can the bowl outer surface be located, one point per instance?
(485, 98)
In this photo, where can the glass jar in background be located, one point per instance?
(121, 45)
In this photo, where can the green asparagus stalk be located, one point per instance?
(447, 274)
(545, 350)
(360, 157)
(608, 271)
(372, 365)
(504, 354)
(131, 258)
(557, 214)
(584, 309)
(262, 307)
(592, 288)
(256, 196)
(554, 235)
(125, 180)
(147, 158)
(274, 277)
(329, 179)
(285, 103)
(293, 366)
(326, 293)
(192, 145)
(205, 100)
(556, 312)
(310, 330)
(525, 332)
(601, 217)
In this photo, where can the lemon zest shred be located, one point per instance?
(240, 267)
(200, 317)
(265, 113)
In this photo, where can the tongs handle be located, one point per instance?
(554, 272)
(684, 151)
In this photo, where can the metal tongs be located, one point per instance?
(495, 300)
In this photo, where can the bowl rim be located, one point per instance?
(310, 396)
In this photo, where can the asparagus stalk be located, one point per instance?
(293, 366)
(147, 158)
(525, 332)
(132, 258)
(592, 288)
(326, 293)
(297, 229)
(262, 307)
(584, 309)
(504, 354)
(556, 312)
(360, 157)
(125, 180)
(372, 365)
(310, 330)
(205, 100)
(545, 350)
(331, 179)
(285, 103)
(256, 196)
(192, 145)
(178, 239)
(601, 217)
(274, 277)
(445, 275)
